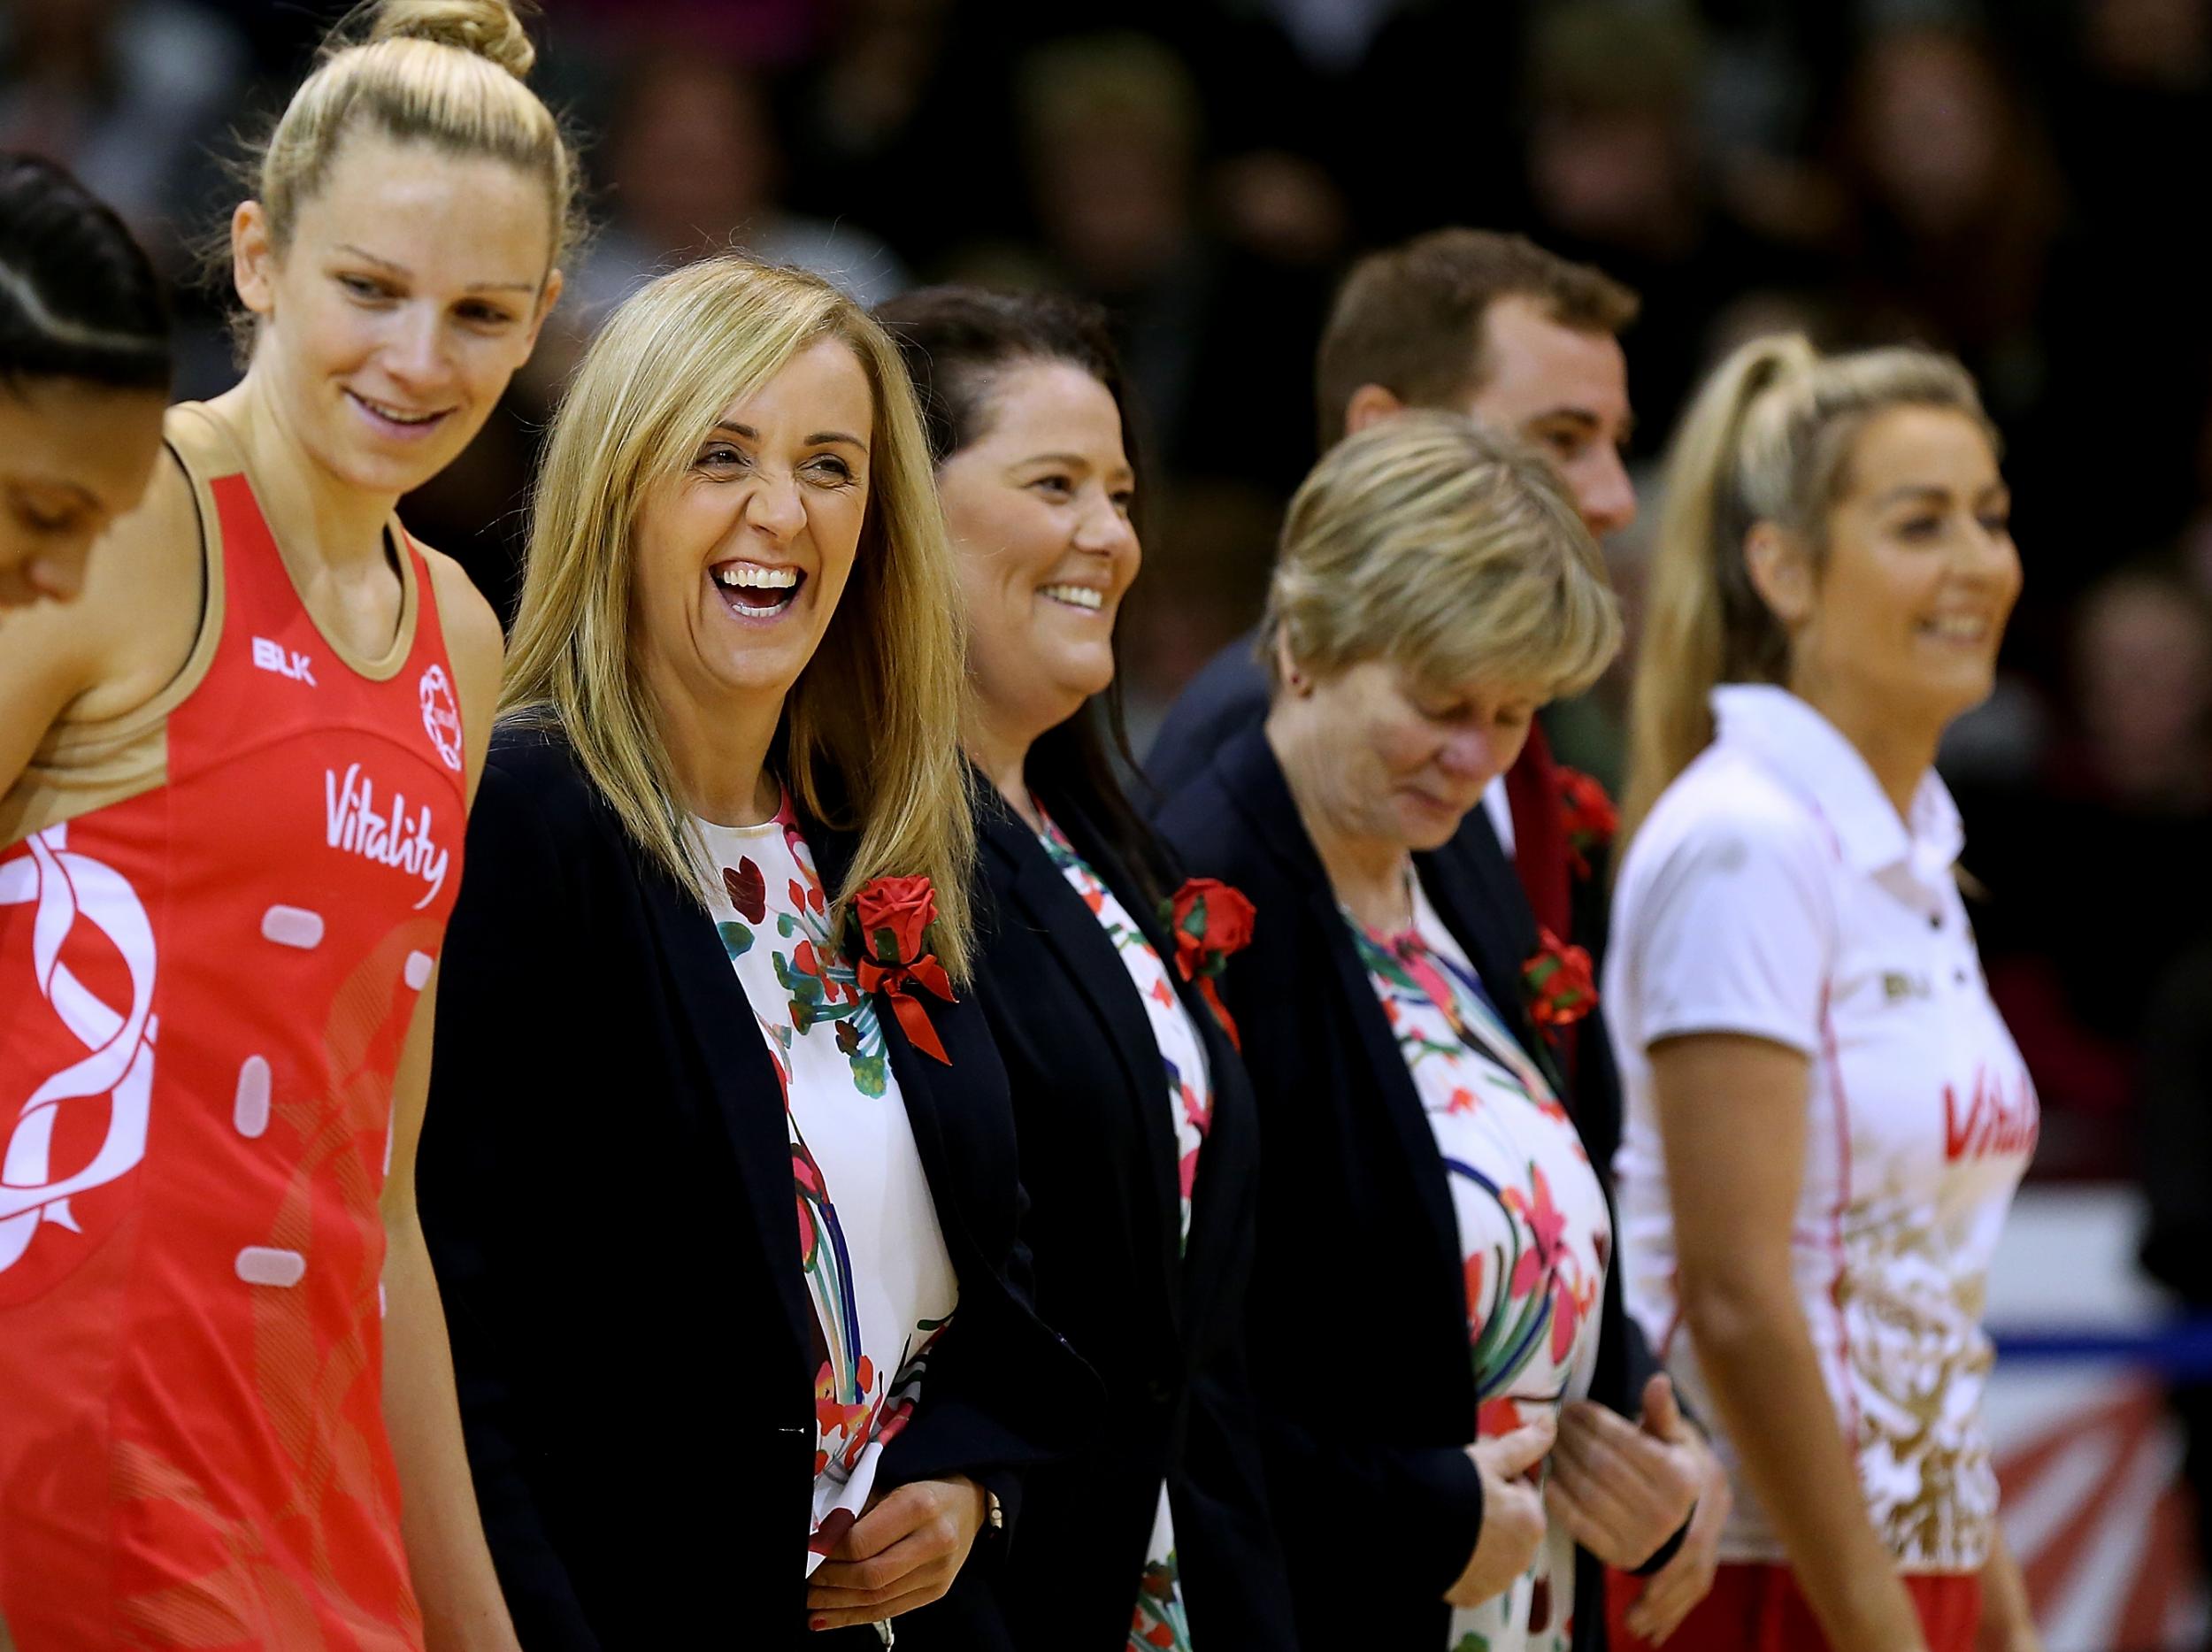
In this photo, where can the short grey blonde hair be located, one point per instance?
(869, 740)
(1448, 549)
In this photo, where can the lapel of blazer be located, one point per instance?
(744, 1084)
(918, 1075)
(1039, 894)
(1476, 892)
(1254, 780)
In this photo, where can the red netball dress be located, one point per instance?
(216, 918)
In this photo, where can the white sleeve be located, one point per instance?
(1737, 933)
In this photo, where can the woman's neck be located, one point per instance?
(306, 507)
(1002, 753)
(719, 755)
(1900, 749)
(1368, 875)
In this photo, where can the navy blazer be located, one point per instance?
(1358, 1307)
(605, 1179)
(1161, 1323)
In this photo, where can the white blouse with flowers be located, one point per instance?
(1534, 1233)
(878, 1275)
(1161, 1623)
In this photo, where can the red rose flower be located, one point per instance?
(1208, 920)
(893, 915)
(1557, 980)
(1589, 815)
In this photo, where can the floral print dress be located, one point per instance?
(1161, 1620)
(878, 1275)
(1534, 1233)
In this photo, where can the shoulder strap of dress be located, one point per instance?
(203, 442)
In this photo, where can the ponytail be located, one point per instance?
(1766, 441)
(1695, 605)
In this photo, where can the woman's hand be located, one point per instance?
(1620, 1489)
(904, 1552)
(1512, 1512)
(1684, 1580)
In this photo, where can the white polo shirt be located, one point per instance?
(1774, 892)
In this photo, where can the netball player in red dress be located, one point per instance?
(234, 775)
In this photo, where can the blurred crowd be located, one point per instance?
(2007, 181)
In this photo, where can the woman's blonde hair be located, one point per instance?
(1448, 549)
(870, 736)
(445, 73)
(1769, 439)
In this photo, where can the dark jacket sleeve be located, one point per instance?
(1428, 1498)
(1003, 1391)
(961, 1426)
(501, 974)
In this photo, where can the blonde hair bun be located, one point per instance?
(485, 29)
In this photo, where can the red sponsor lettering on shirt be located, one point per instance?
(1994, 1122)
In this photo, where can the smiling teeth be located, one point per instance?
(395, 415)
(1960, 630)
(1076, 595)
(758, 579)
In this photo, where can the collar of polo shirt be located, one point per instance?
(1810, 756)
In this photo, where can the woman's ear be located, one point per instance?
(1781, 571)
(1287, 672)
(253, 258)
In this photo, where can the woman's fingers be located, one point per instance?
(849, 1617)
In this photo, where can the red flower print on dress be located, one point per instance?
(1494, 1418)
(747, 890)
(1209, 921)
(893, 915)
(1589, 815)
(1561, 990)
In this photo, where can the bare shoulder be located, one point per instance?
(474, 644)
(130, 630)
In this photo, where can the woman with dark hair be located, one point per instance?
(1137, 1130)
(84, 376)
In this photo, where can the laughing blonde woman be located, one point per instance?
(727, 1203)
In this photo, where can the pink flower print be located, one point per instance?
(1474, 1271)
(1198, 1109)
(1462, 1099)
(1187, 1173)
(1566, 1315)
(1546, 1226)
(807, 1237)
(1160, 994)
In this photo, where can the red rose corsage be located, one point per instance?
(1557, 983)
(1589, 815)
(1210, 920)
(893, 915)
